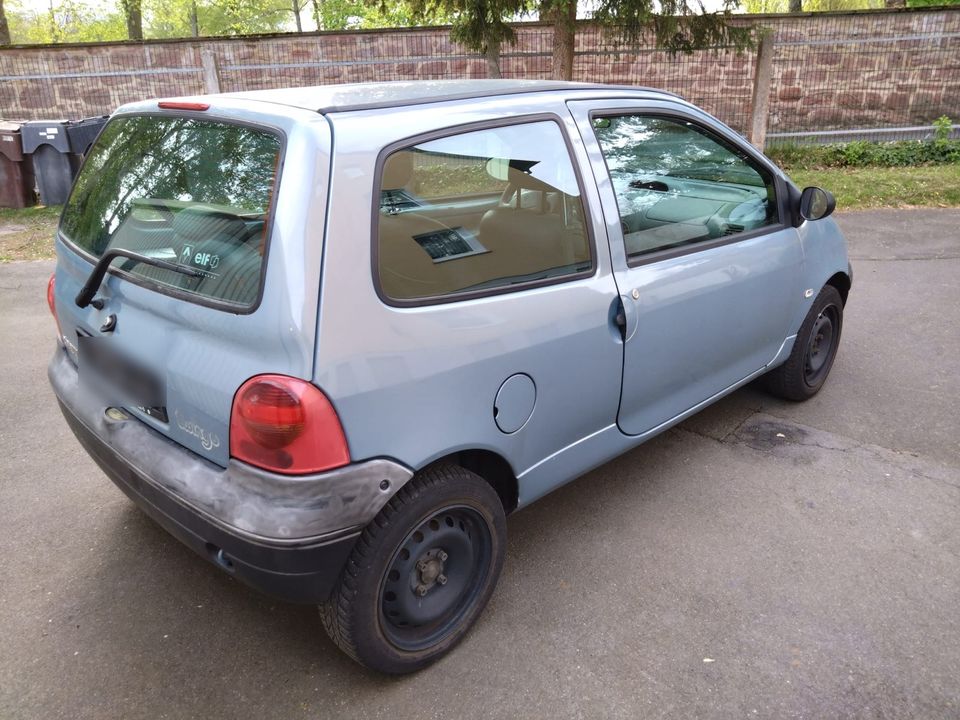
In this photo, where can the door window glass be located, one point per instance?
(677, 185)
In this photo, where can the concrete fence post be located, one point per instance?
(211, 73)
(762, 79)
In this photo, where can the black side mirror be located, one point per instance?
(816, 203)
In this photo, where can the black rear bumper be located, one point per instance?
(302, 573)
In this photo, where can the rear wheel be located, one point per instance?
(806, 370)
(421, 572)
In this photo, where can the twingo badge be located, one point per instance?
(208, 440)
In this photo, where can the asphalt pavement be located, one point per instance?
(762, 560)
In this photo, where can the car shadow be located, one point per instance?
(175, 615)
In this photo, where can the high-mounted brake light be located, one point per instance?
(52, 301)
(172, 105)
(286, 425)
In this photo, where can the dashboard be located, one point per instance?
(661, 211)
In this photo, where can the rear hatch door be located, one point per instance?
(232, 234)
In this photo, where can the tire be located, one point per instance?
(806, 370)
(421, 572)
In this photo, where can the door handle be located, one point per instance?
(623, 318)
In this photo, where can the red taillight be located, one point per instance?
(172, 105)
(286, 425)
(52, 300)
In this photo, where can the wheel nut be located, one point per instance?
(421, 590)
(442, 579)
(442, 555)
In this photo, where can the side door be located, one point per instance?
(707, 269)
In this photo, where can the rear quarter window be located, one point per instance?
(480, 212)
(193, 192)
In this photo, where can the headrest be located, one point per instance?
(397, 170)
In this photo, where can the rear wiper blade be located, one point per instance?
(89, 289)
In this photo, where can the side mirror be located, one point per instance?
(816, 203)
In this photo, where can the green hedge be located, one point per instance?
(941, 150)
(866, 154)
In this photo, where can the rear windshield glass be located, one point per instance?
(193, 192)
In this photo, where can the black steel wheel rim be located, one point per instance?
(435, 577)
(821, 346)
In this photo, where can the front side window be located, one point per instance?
(677, 185)
(192, 192)
(480, 211)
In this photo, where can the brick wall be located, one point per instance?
(831, 70)
(888, 69)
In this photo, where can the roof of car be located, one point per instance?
(368, 96)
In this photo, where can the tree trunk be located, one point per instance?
(4, 28)
(54, 29)
(796, 6)
(564, 17)
(493, 59)
(317, 15)
(134, 15)
(194, 21)
(296, 15)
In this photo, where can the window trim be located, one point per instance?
(462, 129)
(170, 291)
(748, 153)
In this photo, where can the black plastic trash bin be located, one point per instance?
(16, 171)
(53, 162)
(82, 133)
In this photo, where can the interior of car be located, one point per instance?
(676, 184)
(506, 226)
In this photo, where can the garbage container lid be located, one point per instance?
(10, 142)
(45, 132)
(82, 133)
(92, 120)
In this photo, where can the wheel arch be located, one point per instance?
(493, 468)
(842, 282)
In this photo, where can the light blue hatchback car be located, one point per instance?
(330, 337)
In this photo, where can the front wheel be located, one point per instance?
(421, 572)
(814, 350)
